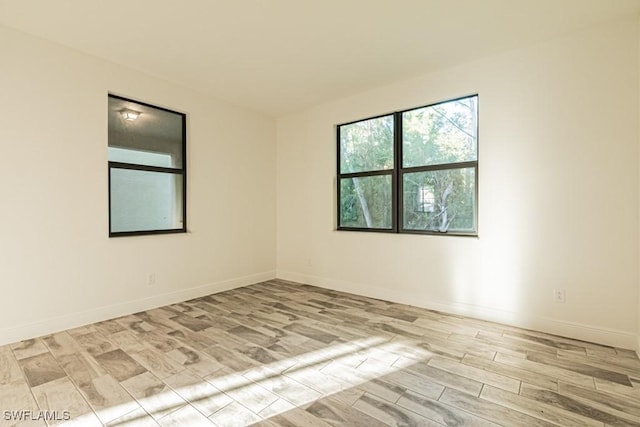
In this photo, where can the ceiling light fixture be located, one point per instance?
(129, 114)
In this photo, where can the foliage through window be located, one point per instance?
(412, 171)
(147, 169)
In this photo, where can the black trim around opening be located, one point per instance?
(399, 171)
(178, 171)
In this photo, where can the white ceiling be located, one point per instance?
(277, 56)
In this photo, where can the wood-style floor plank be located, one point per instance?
(280, 353)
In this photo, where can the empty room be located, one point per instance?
(320, 213)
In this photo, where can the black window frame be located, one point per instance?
(146, 168)
(398, 172)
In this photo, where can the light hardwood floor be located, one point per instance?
(284, 354)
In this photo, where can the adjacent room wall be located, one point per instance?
(58, 268)
(558, 199)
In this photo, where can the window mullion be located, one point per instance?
(397, 167)
(367, 173)
(443, 166)
(146, 168)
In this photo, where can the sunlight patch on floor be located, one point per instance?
(274, 388)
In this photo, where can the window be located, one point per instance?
(147, 169)
(412, 171)
(426, 199)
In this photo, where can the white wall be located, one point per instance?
(58, 268)
(558, 201)
(559, 193)
(638, 311)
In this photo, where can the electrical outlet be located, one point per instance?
(559, 295)
(151, 279)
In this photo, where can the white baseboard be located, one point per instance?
(591, 333)
(74, 320)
